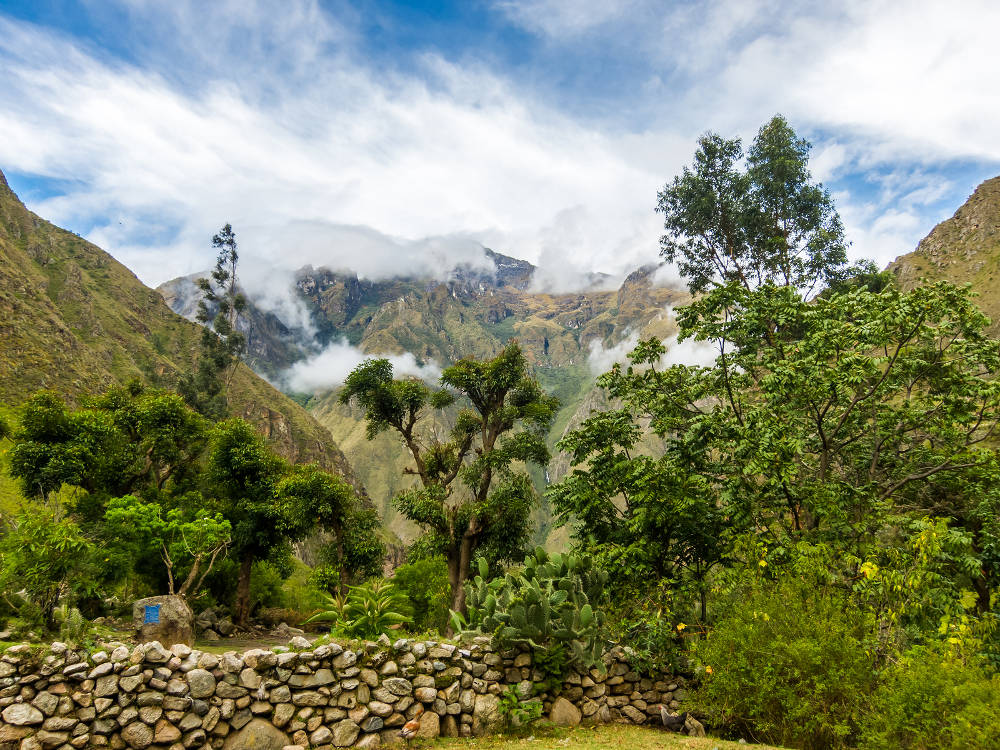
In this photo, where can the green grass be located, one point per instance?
(624, 737)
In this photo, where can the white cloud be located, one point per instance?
(562, 18)
(441, 152)
(330, 368)
(689, 352)
(602, 359)
(280, 124)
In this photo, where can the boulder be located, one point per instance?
(257, 735)
(167, 619)
(430, 726)
(564, 714)
(486, 714)
(22, 714)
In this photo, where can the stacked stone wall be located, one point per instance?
(326, 696)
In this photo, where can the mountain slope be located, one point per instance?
(472, 313)
(75, 320)
(962, 249)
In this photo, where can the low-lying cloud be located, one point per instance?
(328, 369)
(687, 352)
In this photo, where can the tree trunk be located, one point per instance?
(455, 581)
(243, 590)
(459, 562)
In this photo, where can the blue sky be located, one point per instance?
(393, 137)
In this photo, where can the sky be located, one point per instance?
(396, 137)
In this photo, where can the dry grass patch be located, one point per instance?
(619, 736)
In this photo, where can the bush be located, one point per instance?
(932, 700)
(366, 612)
(47, 556)
(425, 584)
(552, 605)
(787, 665)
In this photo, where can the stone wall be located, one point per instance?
(328, 696)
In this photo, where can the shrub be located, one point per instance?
(367, 611)
(787, 665)
(548, 605)
(424, 583)
(931, 699)
(47, 556)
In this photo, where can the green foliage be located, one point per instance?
(73, 626)
(934, 699)
(646, 624)
(553, 603)
(765, 223)
(190, 539)
(515, 714)
(47, 556)
(789, 664)
(367, 611)
(424, 583)
(506, 425)
(128, 440)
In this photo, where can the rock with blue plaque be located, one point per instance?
(167, 619)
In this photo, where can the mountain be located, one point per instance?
(962, 249)
(75, 320)
(473, 311)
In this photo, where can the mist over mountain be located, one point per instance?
(425, 322)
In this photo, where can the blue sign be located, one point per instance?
(152, 616)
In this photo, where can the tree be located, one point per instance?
(471, 500)
(192, 541)
(269, 504)
(243, 474)
(44, 554)
(643, 517)
(824, 420)
(222, 343)
(129, 440)
(327, 502)
(752, 218)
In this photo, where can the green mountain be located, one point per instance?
(473, 312)
(75, 320)
(962, 249)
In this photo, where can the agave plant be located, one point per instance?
(367, 611)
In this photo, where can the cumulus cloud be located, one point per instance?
(330, 368)
(283, 125)
(601, 358)
(339, 158)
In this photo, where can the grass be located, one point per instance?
(626, 737)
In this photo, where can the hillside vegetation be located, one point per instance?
(74, 320)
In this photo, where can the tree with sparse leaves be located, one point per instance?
(471, 499)
(222, 343)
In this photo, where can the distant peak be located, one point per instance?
(3, 180)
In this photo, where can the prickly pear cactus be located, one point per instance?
(550, 603)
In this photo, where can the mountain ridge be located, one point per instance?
(75, 320)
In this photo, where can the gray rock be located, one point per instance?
(22, 714)
(564, 714)
(138, 735)
(257, 735)
(201, 683)
(398, 686)
(344, 733)
(175, 621)
(486, 714)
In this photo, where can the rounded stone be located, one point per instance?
(201, 683)
(138, 735)
(22, 714)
